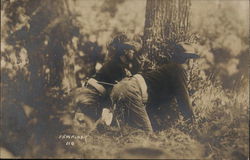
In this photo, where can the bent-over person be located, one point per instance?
(142, 92)
(94, 95)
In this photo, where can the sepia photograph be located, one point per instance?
(124, 79)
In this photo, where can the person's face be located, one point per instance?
(127, 58)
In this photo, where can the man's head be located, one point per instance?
(125, 51)
(183, 51)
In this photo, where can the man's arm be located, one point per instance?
(182, 95)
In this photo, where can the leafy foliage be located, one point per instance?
(45, 45)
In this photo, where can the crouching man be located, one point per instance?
(94, 95)
(139, 94)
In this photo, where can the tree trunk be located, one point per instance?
(51, 30)
(166, 23)
(68, 79)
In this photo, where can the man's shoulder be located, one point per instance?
(172, 66)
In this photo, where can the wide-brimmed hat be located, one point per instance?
(184, 47)
(121, 43)
(184, 51)
(134, 45)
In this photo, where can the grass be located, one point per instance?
(220, 132)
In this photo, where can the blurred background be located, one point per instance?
(222, 28)
(48, 46)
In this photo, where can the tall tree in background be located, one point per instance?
(46, 35)
(38, 34)
(166, 23)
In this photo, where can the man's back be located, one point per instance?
(164, 81)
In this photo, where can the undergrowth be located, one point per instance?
(219, 132)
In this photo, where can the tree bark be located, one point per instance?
(166, 23)
(47, 51)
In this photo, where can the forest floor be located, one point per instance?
(220, 132)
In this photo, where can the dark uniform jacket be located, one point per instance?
(167, 82)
